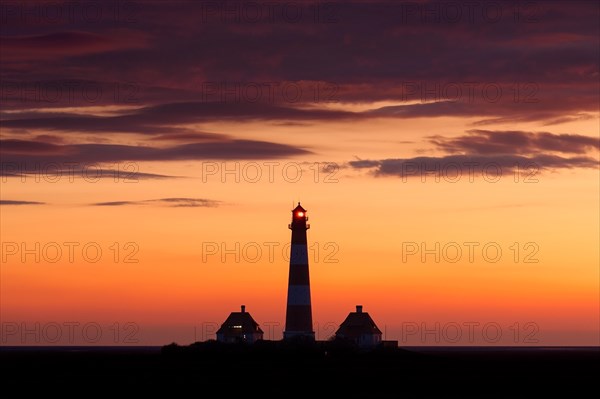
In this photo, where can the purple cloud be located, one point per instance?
(23, 152)
(536, 52)
(515, 142)
(485, 151)
(449, 164)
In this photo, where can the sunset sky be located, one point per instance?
(447, 155)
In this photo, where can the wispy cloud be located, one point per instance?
(418, 166)
(484, 150)
(515, 142)
(89, 172)
(167, 202)
(159, 119)
(16, 202)
(25, 151)
(66, 44)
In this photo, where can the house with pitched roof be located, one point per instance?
(359, 328)
(239, 327)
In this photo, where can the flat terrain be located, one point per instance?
(271, 369)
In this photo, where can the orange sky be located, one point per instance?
(178, 240)
(182, 281)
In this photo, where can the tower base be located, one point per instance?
(308, 335)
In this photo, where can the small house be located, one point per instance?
(360, 328)
(239, 327)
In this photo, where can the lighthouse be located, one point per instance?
(298, 318)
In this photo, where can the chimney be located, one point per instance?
(243, 308)
(358, 308)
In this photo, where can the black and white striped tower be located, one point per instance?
(298, 318)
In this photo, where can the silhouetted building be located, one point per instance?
(239, 327)
(360, 328)
(298, 318)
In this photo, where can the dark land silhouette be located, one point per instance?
(269, 368)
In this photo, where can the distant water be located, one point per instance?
(88, 349)
(513, 349)
(418, 349)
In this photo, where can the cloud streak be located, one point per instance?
(495, 152)
(468, 164)
(166, 202)
(164, 118)
(516, 142)
(65, 44)
(27, 152)
(169, 57)
(18, 202)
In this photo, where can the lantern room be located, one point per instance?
(299, 218)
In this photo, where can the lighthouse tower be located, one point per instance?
(298, 318)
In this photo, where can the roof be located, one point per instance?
(299, 208)
(239, 323)
(356, 324)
